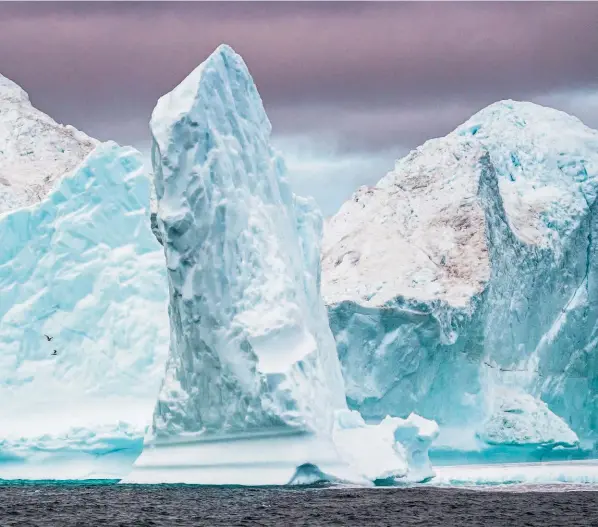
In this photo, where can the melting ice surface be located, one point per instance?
(253, 392)
(83, 267)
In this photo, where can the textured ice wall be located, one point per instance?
(252, 380)
(253, 385)
(84, 268)
(250, 345)
(34, 150)
(470, 269)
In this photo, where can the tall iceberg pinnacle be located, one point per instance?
(253, 389)
(249, 331)
(251, 352)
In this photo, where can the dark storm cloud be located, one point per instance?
(372, 75)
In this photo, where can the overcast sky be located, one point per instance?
(349, 87)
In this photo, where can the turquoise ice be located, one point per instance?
(253, 392)
(83, 267)
(465, 282)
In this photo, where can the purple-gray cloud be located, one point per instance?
(368, 77)
(361, 65)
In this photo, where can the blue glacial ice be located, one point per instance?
(83, 267)
(253, 392)
(464, 285)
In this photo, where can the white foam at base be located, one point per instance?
(585, 472)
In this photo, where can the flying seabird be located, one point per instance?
(49, 338)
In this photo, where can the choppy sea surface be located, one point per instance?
(84, 504)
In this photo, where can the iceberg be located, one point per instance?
(253, 392)
(520, 419)
(394, 450)
(463, 286)
(82, 267)
(35, 151)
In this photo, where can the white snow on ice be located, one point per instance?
(35, 151)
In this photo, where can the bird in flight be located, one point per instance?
(55, 353)
(49, 338)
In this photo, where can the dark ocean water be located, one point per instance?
(165, 505)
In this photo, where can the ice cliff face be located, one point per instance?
(469, 271)
(83, 267)
(253, 385)
(34, 150)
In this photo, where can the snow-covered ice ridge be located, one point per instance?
(83, 267)
(35, 151)
(464, 285)
(253, 392)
